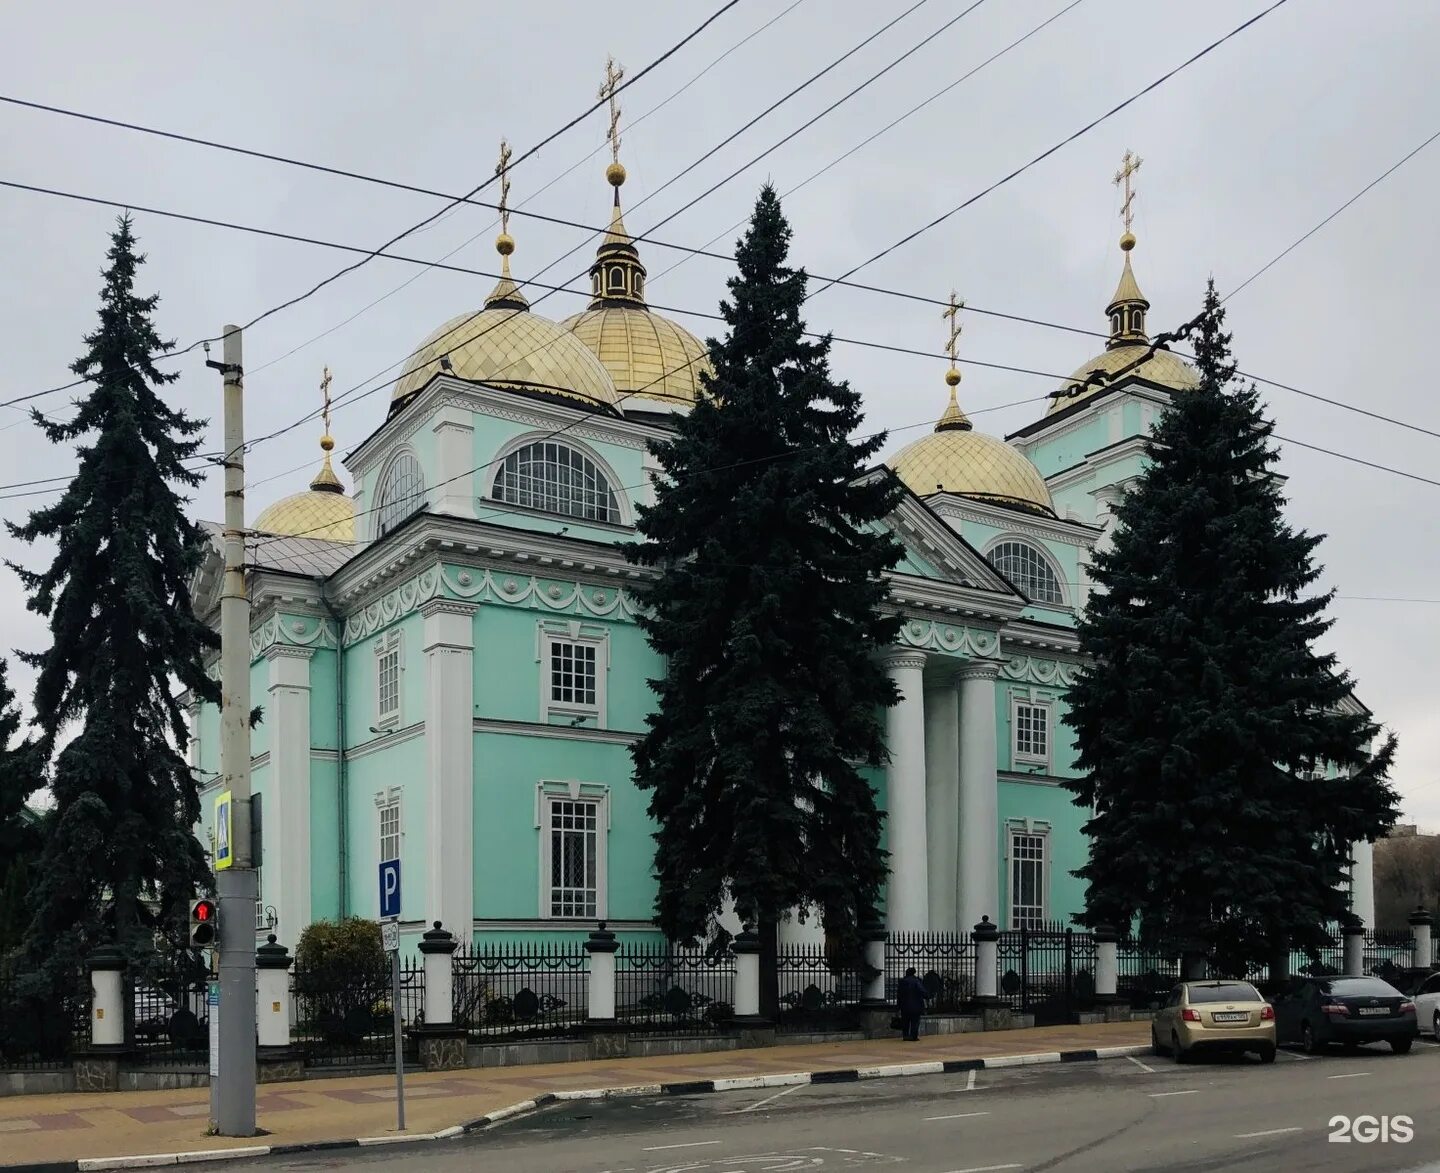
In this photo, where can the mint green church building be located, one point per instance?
(452, 675)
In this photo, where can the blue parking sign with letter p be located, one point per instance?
(389, 888)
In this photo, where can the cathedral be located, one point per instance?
(452, 675)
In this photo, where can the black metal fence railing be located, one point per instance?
(167, 1011)
(38, 1032)
(521, 990)
(944, 962)
(343, 1018)
(1047, 970)
(674, 989)
(818, 991)
(1145, 973)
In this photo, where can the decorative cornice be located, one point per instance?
(291, 631)
(951, 638)
(443, 606)
(1041, 529)
(976, 670)
(1033, 670)
(902, 658)
(288, 652)
(557, 732)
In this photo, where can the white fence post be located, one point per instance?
(437, 948)
(272, 994)
(746, 948)
(107, 986)
(1420, 921)
(986, 937)
(601, 946)
(1107, 971)
(875, 939)
(1354, 935)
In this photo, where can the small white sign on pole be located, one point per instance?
(212, 1000)
(390, 936)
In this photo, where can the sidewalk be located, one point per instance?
(60, 1128)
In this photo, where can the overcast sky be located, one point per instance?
(1244, 151)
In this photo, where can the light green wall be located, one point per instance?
(1021, 800)
(324, 840)
(1053, 454)
(401, 765)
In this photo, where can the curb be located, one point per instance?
(632, 1091)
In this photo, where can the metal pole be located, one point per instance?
(232, 1095)
(399, 1043)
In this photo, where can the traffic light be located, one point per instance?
(204, 923)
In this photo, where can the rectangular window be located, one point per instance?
(573, 674)
(1027, 880)
(390, 831)
(1032, 732)
(261, 923)
(574, 829)
(387, 679)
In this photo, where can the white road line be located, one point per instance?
(1145, 1067)
(1297, 1055)
(986, 1168)
(694, 1144)
(1267, 1132)
(1194, 1091)
(767, 1099)
(970, 1081)
(1349, 1075)
(956, 1116)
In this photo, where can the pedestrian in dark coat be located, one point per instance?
(910, 1002)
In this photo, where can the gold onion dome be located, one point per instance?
(322, 512)
(655, 363)
(955, 458)
(506, 346)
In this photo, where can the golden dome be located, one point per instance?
(650, 358)
(1164, 368)
(511, 348)
(315, 514)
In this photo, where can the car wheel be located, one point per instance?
(1401, 1046)
(1177, 1050)
(1267, 1054)
(1308, 1043)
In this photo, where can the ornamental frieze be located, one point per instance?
(984, 645)
(301, 631)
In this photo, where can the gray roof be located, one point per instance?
(313, 557)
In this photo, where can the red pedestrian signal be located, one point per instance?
(204, 923)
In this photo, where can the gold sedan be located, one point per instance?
(1214, 1016)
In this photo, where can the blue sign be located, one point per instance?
(389, 888)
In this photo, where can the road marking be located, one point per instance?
(970, 1081)
(694, 1144)
(1145, 1067)
(767, 1099)
(1350, 1075)
(1297, 1055)
(1267, 1132)
(1194, 1091)
(956, 1116)
(986, 1168)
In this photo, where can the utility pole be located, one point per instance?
(232, 1091)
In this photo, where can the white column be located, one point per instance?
(1362, 881)
(979, 795)
(906, 904)
(942, 803)
(1354, 954)
(272, 994)
(747, 975)
(875, 941)
(454, 462)
(286, 809)
(600, 1001)
(450, 763)
(437, 948)
(987, 969)
(1106, 964)
(1421, 950)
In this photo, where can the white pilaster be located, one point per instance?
(906, 903)
(1362, 881)
(286, 867)
(942, 803)
(450, 763)
(454, 462)
(979, 795)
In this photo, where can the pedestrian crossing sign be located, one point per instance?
(224, 825)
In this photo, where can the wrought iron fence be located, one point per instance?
(342, 1018)
(1145, 973)
(38, 1031)
(944, 962)
(1047, 970)
(167, 1013)
(819, 991)
(521, 990)
(674, 989)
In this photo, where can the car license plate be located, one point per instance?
(1374, 1010)
(1240, 1017)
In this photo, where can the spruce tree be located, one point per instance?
(121, 857)
(767, 610)
(1206, 711)
(22, 773)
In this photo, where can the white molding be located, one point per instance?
(1035, 527)
(1033, 827)
(548, 632)
(390, 643)
(562, 732)
(560, 926)
(378, 742)
(387, 467)
(548, 791)
(1043, 705)
(524, 440)
(1018, 538)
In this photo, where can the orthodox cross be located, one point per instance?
(1129, 165)
(953, 314)
(325, 391)
(502, 169)
(613, 75)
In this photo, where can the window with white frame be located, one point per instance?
(1028, 869)
(554, 477)
(573, 843)
(387, 679)
(401, 492)
(1030, 724)
(573, 664)
(1029, 570)
(388, 843)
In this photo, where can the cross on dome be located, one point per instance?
(954, 419)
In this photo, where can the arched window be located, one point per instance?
(554, 477)
(1027, 568)
(617, 277)
(401, 492)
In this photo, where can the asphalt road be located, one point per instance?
(1107, 1117)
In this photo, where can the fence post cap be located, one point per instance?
(1421, 916)
(601, 940)
(272, 956)
(107, 957)
(1354, 927)
(985, 931)
(1104, 934)
(874, 931)
(438, 940)
(746, 941)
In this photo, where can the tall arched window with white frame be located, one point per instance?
(1029, 570)
(401, 492)
(555, 478)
